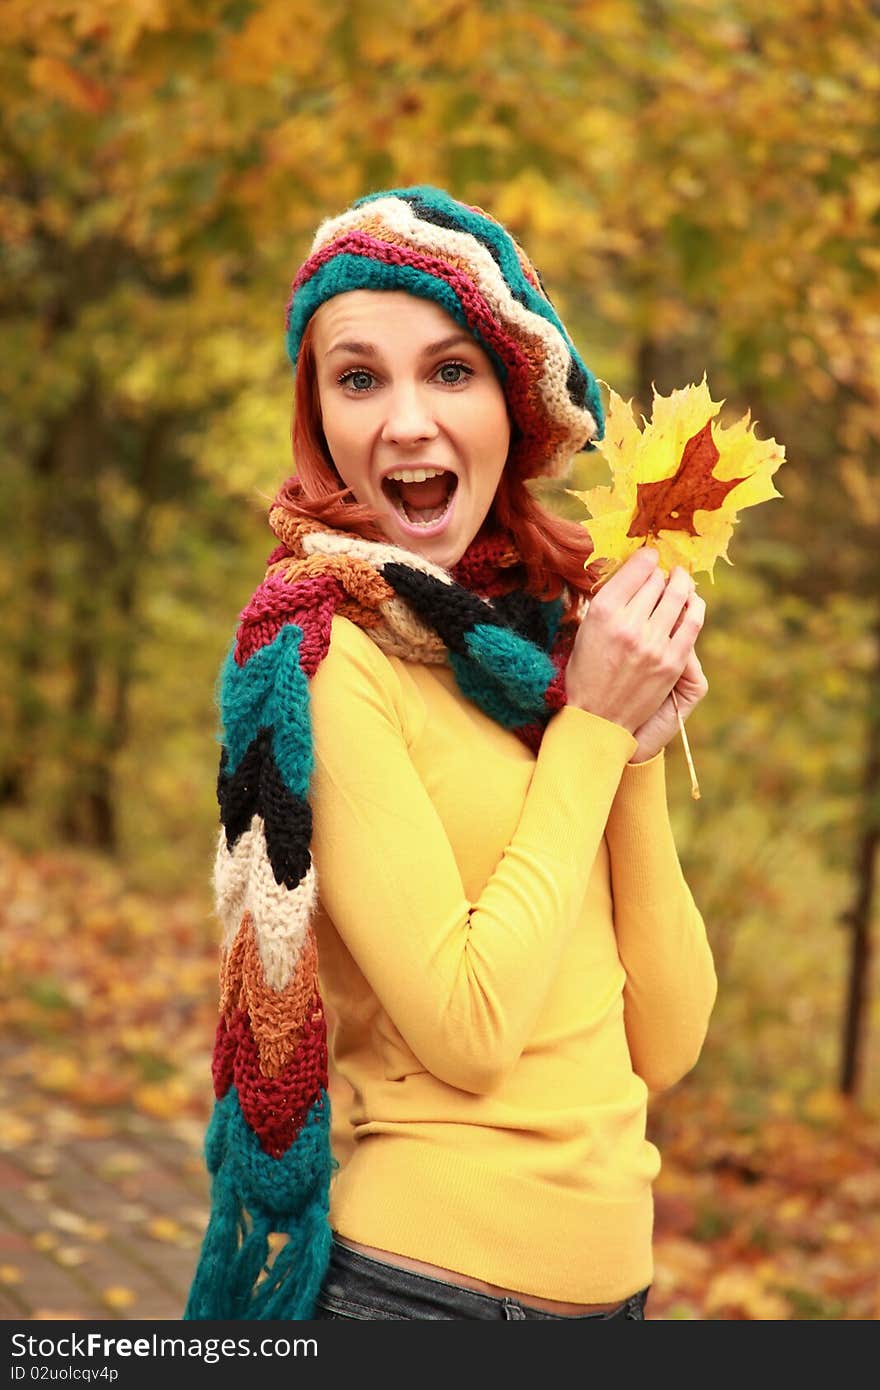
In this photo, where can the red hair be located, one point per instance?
(554, 551)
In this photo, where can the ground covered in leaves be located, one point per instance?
(768, 1205)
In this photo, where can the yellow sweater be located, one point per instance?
(513, 959)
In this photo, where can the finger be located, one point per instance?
(692, 670)
(646, 597)
(625, 582)
(691, 685)
(669, 611)
(678, 620)
(689, 628)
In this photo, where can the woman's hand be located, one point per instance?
(633, 647)
(662, 726)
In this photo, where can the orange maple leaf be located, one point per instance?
(670, 504)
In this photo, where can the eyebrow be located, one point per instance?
(369, 349)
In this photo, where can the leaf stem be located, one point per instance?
(695, 786)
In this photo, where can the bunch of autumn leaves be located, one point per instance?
(677, 485)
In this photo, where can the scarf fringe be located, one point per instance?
(253, 1197)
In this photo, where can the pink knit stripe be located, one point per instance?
(465, 286)
(315, 599)
(310, 603)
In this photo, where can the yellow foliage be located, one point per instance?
(825, 1105)
(68, 85)
(279, 35)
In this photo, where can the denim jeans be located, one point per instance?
(358, 1287)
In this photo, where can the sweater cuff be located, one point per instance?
(641, 795)
(603, 731)
(647, 762)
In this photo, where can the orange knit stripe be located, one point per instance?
(277, 1017)
(290, 528)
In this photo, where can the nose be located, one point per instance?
(409, 418)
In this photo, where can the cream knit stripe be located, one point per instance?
(403, 634)
(430, 238)
(244, 882)
(231, 873)
(375, 553)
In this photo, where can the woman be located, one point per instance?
(442, 777)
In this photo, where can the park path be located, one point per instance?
(100, 1216)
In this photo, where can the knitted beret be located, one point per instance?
(423, 241)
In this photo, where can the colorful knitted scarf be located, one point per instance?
(267, 1146)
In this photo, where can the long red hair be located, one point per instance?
(554, 551)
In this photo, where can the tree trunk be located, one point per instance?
(28, 714)
(858, 917)
(105, 638)
(649, 359)
(87, 815)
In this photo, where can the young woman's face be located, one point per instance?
(414, 417)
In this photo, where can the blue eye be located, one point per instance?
(358, 379)
(453, 373)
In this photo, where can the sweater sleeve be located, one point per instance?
(462, 981)
(661, 939)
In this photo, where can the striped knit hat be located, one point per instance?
(426, 243)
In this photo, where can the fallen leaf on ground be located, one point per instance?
(118, 1297)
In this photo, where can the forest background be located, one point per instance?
(699, 184)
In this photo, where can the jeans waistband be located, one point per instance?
(359, 1286)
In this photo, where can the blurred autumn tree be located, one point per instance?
(699, 184)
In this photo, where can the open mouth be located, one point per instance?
(421, 496)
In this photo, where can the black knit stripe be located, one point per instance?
(447, 608)
(238, 794)
(257, 788)
(526, 614)
(576, 385)
(288, 824)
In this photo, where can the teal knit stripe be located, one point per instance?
(267, 1183)
(269, 690)
(505, 675)
(351, 272)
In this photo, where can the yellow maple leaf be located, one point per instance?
(677, 484)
